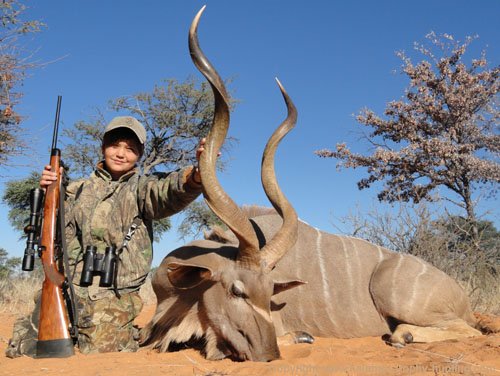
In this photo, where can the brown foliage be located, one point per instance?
(444, 133)
(13, 67)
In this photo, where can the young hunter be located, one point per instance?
(100, 211)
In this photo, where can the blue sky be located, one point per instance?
(334, 58)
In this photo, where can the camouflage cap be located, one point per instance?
(128, 122)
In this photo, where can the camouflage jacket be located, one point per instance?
(100, 211)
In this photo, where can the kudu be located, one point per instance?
(274, 275)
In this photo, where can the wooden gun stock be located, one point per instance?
(54, 340)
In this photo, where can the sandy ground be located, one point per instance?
(327, 356)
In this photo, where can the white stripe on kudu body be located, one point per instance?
(416, 284)
(353, 269)
(380, 253)
(325, 277)
(395, 275)
(321, 266)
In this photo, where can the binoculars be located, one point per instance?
(95, 263)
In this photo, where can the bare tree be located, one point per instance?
(176, 115)
(14, 63)
(444, 133)
(198, 218)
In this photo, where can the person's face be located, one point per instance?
(120, 157)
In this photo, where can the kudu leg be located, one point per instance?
(289, 338)
(424, 304)
(452, 329)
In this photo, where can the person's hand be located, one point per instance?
(48, 177)
(201, 148)
(196, 176)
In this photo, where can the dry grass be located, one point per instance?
(17, 294)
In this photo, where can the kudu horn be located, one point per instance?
(217, 199)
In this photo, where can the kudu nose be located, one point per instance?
(268, 353)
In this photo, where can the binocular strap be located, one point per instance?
(133, 227)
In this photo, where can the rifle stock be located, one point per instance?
(54, 340)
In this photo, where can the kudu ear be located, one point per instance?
(280, 286)
(186, 276)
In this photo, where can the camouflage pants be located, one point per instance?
(104, 325)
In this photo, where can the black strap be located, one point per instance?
(68, 288)
(128, 236)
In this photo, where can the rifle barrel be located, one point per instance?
(56, 122)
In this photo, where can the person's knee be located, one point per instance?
(24, 338)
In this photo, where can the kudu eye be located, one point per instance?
(238, 290)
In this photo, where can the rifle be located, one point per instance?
(54, 334)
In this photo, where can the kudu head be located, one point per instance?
(231, 284)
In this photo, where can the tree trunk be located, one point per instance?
(471, 216)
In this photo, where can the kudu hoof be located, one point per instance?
(392, 341)
(408, 338)
(303, 337)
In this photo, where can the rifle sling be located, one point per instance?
(68, 287)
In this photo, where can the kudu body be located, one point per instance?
(355, 288)
(233, 295)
